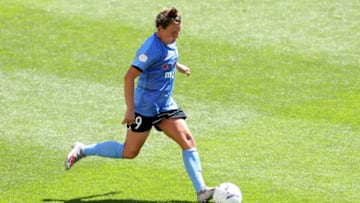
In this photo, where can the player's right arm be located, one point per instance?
(129, 86)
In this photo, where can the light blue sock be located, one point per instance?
(193, 168)
(110, 149)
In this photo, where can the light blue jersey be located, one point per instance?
(157, 62)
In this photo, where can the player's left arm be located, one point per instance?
(182, 68)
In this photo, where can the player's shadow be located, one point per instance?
(88, 200)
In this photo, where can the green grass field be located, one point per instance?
(273, 99)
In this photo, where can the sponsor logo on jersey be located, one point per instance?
(170, 74)
(165, 66)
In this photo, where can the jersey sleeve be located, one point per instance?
(145, 56)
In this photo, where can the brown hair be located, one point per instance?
(168, 16)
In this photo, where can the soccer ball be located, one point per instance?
(227, 193)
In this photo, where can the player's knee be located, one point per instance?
(130, 155)
(188, 142)
(190, 139)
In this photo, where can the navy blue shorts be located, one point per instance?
(144, 123)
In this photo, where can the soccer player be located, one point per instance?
(150, 103)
